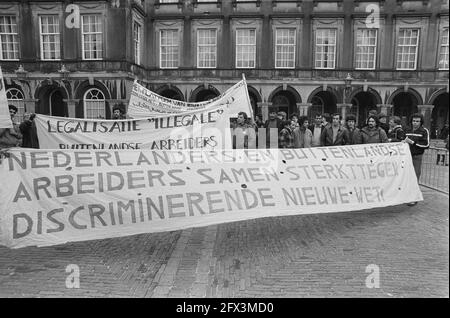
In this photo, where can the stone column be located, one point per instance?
(426, 110)
(71, 106)
(386, 109)
(303, 108)
(343, 109)
(264, 107)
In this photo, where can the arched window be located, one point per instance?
(15, 97)
(94, 104)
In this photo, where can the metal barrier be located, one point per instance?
(435, 169)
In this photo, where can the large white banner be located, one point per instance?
(207, 128)
(145, 103)
(55, 196)
(5, 118)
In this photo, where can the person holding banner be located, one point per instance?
(11, 137)
(335, 134)
(244, 135)
(29, 132)
(418, 139)
(372, 133)
(302, 135)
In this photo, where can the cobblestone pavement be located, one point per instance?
(320, 255)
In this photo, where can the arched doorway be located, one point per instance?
(205, 95)
(362, 103)
(322, 102)
(51, 100)
(171, 92)
(439, 115)
(284, 100)
(405, 104)
(56, 104)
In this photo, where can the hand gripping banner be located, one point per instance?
(53, 196)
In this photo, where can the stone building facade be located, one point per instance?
(80, 58)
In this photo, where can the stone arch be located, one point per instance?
(411, 91)
(170, 91)
(50, 95)
(362, 102)
(255, 98)
(202, 93)
(323, 101)
(435, 95)
(370, 90)
(289, 89)
(80, 92)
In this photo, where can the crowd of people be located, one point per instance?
(332, 130)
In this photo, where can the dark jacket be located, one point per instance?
(373, 136)
(354, 136)
(421, 138)
(396, 134)
(385, 127)
(29, 133)
(342, 137)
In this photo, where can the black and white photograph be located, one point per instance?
(224, 155)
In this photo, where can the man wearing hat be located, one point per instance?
(11, 137)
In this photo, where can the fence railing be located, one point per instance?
(435, 169)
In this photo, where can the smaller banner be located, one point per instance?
(55, 196)
(5, 118)
(145, 103)
(206, 128)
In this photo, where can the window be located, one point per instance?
(168, 1)
(325, 54)
(245, 48)
(169, 53)
(15, 97)
(408, 43)
(366, 49)
(137, 42)
(50, 36)
(92, 42)
(9, 38)
(443, 51)
(285, 48)
(206, 48)
(94, 104)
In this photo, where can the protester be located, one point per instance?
(316, 129)
(29, 132)
(382, 118)
(244, 135)
(11, 137)
(282, 116)
(326, 120)
(302, 134)
(258, 122)
(294, 118)
(396, 132)
(418, 139)
(272, 123)
(444, 132)
(354, 134)
(372, 133)
(335, 134)
(119, 112)
(286, 138)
